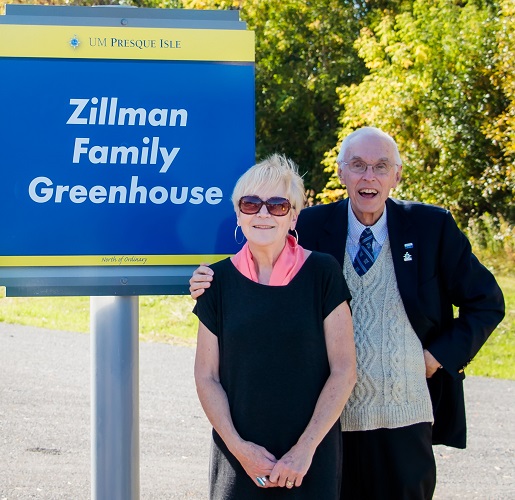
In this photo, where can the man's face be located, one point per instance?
(368, 191)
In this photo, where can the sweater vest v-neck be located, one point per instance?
(391, 390)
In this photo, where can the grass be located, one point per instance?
(169, 319)
(497, 357)
(161, 318)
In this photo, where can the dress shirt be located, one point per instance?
(379, 230)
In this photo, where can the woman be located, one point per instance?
(275, 361)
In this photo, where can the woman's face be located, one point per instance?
(263, 229)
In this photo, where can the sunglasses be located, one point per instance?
(276, 206)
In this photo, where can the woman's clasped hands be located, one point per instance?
(268, 472)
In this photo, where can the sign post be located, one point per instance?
(122, 134)
(115, 398)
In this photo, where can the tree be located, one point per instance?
(501, 130)
(429, 86)
(304, 51)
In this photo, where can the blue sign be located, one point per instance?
(104, 160)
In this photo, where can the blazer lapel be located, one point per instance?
(404, 244)
(334, 235)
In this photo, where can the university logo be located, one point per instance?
(74, 42)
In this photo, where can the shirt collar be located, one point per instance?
(379, 229)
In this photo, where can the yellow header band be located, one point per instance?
(99, 42)
(108, 260)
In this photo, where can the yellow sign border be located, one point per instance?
(100, 42)
(108, 260)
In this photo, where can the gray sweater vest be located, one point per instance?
(391, 390)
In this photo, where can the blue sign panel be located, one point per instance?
(131, 162)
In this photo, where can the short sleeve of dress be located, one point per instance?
(334, 286)
(208, 305)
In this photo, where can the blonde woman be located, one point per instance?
(275, 361)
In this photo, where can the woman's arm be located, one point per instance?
(339, 338)
(256, 460)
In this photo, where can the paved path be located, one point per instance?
(45, 425)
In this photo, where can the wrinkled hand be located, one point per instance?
(257, 462)
(201, 279)
(292, 467)
(431, 364)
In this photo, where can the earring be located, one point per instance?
(296, 235)
(235, 235)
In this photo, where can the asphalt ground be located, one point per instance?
(45, 433)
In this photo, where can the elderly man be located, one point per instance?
(406, 264)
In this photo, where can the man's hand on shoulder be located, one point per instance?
(201, 279)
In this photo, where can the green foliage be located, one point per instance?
(155, 4)
(493, 241)
(304, 51)
(430, 87)
(497, 357)
(502, 128)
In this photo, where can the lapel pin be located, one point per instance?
(408, 245)
(407, 257)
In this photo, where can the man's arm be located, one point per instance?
(200, 280)
(469, 286)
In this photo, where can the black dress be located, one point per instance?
(273, 366)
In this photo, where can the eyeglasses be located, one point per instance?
(360, 167)
(276, 206)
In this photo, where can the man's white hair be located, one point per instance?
(371, 132)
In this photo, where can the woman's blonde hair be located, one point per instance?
(271, 172)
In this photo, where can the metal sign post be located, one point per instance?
(115, 398)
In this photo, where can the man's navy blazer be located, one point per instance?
(435, 270)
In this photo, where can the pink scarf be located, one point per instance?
(286, 267)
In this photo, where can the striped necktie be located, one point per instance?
(365, 256)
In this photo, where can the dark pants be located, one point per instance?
(389, 464)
